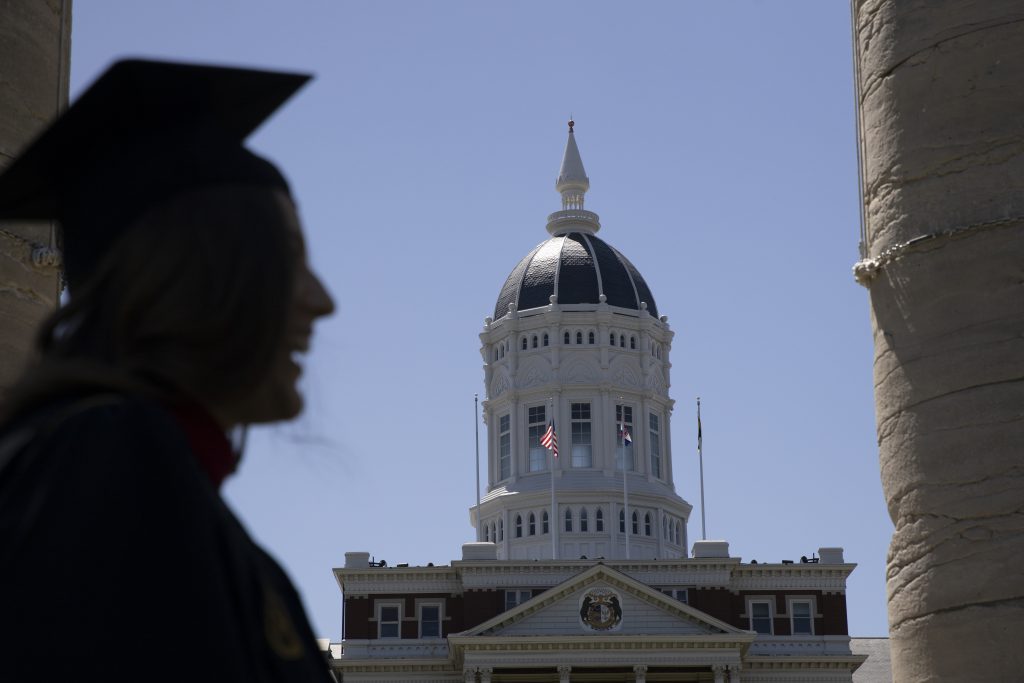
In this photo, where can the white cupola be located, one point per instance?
(576, 340)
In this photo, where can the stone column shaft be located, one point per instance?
(940, 108)
(35, 52)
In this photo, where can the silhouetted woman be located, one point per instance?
(190, 301)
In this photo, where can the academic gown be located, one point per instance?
(119, 561)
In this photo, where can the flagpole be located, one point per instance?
(476, 424)
(625, 482)
(700, 453)
(554, 510)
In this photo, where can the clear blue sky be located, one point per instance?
(719, 140)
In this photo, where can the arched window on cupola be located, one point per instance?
(599, 520)
(636, 524)
(584, 520)
(579, 337)
(545, 339)
(495, 353)
(664, 528)
(679, 528)
(524, 343)
(611, 339)
(501, 530)
(534, 341)
(519, 526)
(590, 338)
(622, 340)
(544, 522)
(632, 343)
(487, 533)
(568, 519)
(622, 521)
(647, 524)
(567, 338)
(533, 525)
(494, 533)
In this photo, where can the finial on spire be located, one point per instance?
(572, 180)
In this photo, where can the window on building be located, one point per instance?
(544, 522)
(519, 526)
(680, 594)
(624, 447)
(632, 343)
(584, 520)
(487, 533)
(599, 520)
(579, 337)
(505, 446)
(647, 524)
(677, 532)
(622, 521)
(760, 612)
(430, 620)
(636, 524)
(534, 341)
(389, 618)
(514, 598)
(664, 528)
(524, 343)
(582, 451)
(536, 418)
(654, 444)
(566, 337)
(545, 339)
(501, 530)
(801, 617)
(494, 533)
(568, 519)
(622, 340)
(590, 338)
(533, 525)
(611, 339)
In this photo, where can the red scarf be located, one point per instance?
(209, 444)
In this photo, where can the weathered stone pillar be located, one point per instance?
(485, 674)
(563, 673)
(640, 673)
(941, 120)
(35, 49)
(718, 670)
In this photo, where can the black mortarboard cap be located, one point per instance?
(142, 133)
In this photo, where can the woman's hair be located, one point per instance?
(189, 304)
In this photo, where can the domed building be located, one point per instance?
(580, 570)
(576, 342)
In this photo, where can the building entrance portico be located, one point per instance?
(640, 673)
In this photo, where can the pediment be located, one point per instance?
(601, 602)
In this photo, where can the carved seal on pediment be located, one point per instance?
(601, 610)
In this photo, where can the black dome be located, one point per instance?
(582, 267)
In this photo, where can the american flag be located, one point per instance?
(550, 439)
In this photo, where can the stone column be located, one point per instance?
(485, 674)
(941, 128)
(35, 51)
(734, 673)
(640, 673)
(469, 675)
(719, 672)
(563, 673)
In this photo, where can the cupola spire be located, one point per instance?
(572, 181)
(572, 184)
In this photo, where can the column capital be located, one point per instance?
(469, 675)
(485, 674)
(563, 673)
(640, 673)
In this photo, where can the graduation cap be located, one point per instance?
(144, 132)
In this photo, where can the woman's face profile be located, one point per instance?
(277, 397)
